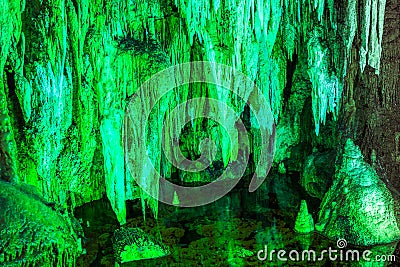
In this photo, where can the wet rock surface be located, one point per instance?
(34, 234)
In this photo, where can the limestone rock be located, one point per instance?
(318, 172)
(133, 244)
(33, 234)
(304, 220)
(358, 207)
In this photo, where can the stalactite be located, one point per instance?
(289, 37)
(351, 26)
(377, 21)
(326, 87)
(366, 22)
(371, 34)
(196, 14)
(264, 18)
(78, 61)
(111, 123)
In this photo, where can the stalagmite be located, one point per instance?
(74, 65)
(304, 220)
(358, 207)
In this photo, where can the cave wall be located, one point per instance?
(68, 67)
(372, 102)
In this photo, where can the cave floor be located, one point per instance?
(220, 239)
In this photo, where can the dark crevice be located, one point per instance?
(290, 69)
(307, 122)
(75, 4)
(14, 107)
(380, 96)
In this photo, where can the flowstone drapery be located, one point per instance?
(68, 67)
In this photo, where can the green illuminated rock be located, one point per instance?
(304, 220)
(33, 234)
(68, 68)
(358, 207)
(318, 173)
(133, 244)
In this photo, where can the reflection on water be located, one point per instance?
(223, 233)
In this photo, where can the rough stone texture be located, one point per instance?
(33, 234)
(318, 173)
(358, 207)
(67, 68)
(133, 244)
(371, 114)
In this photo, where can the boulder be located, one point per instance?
(32, 233)
(358, 207)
